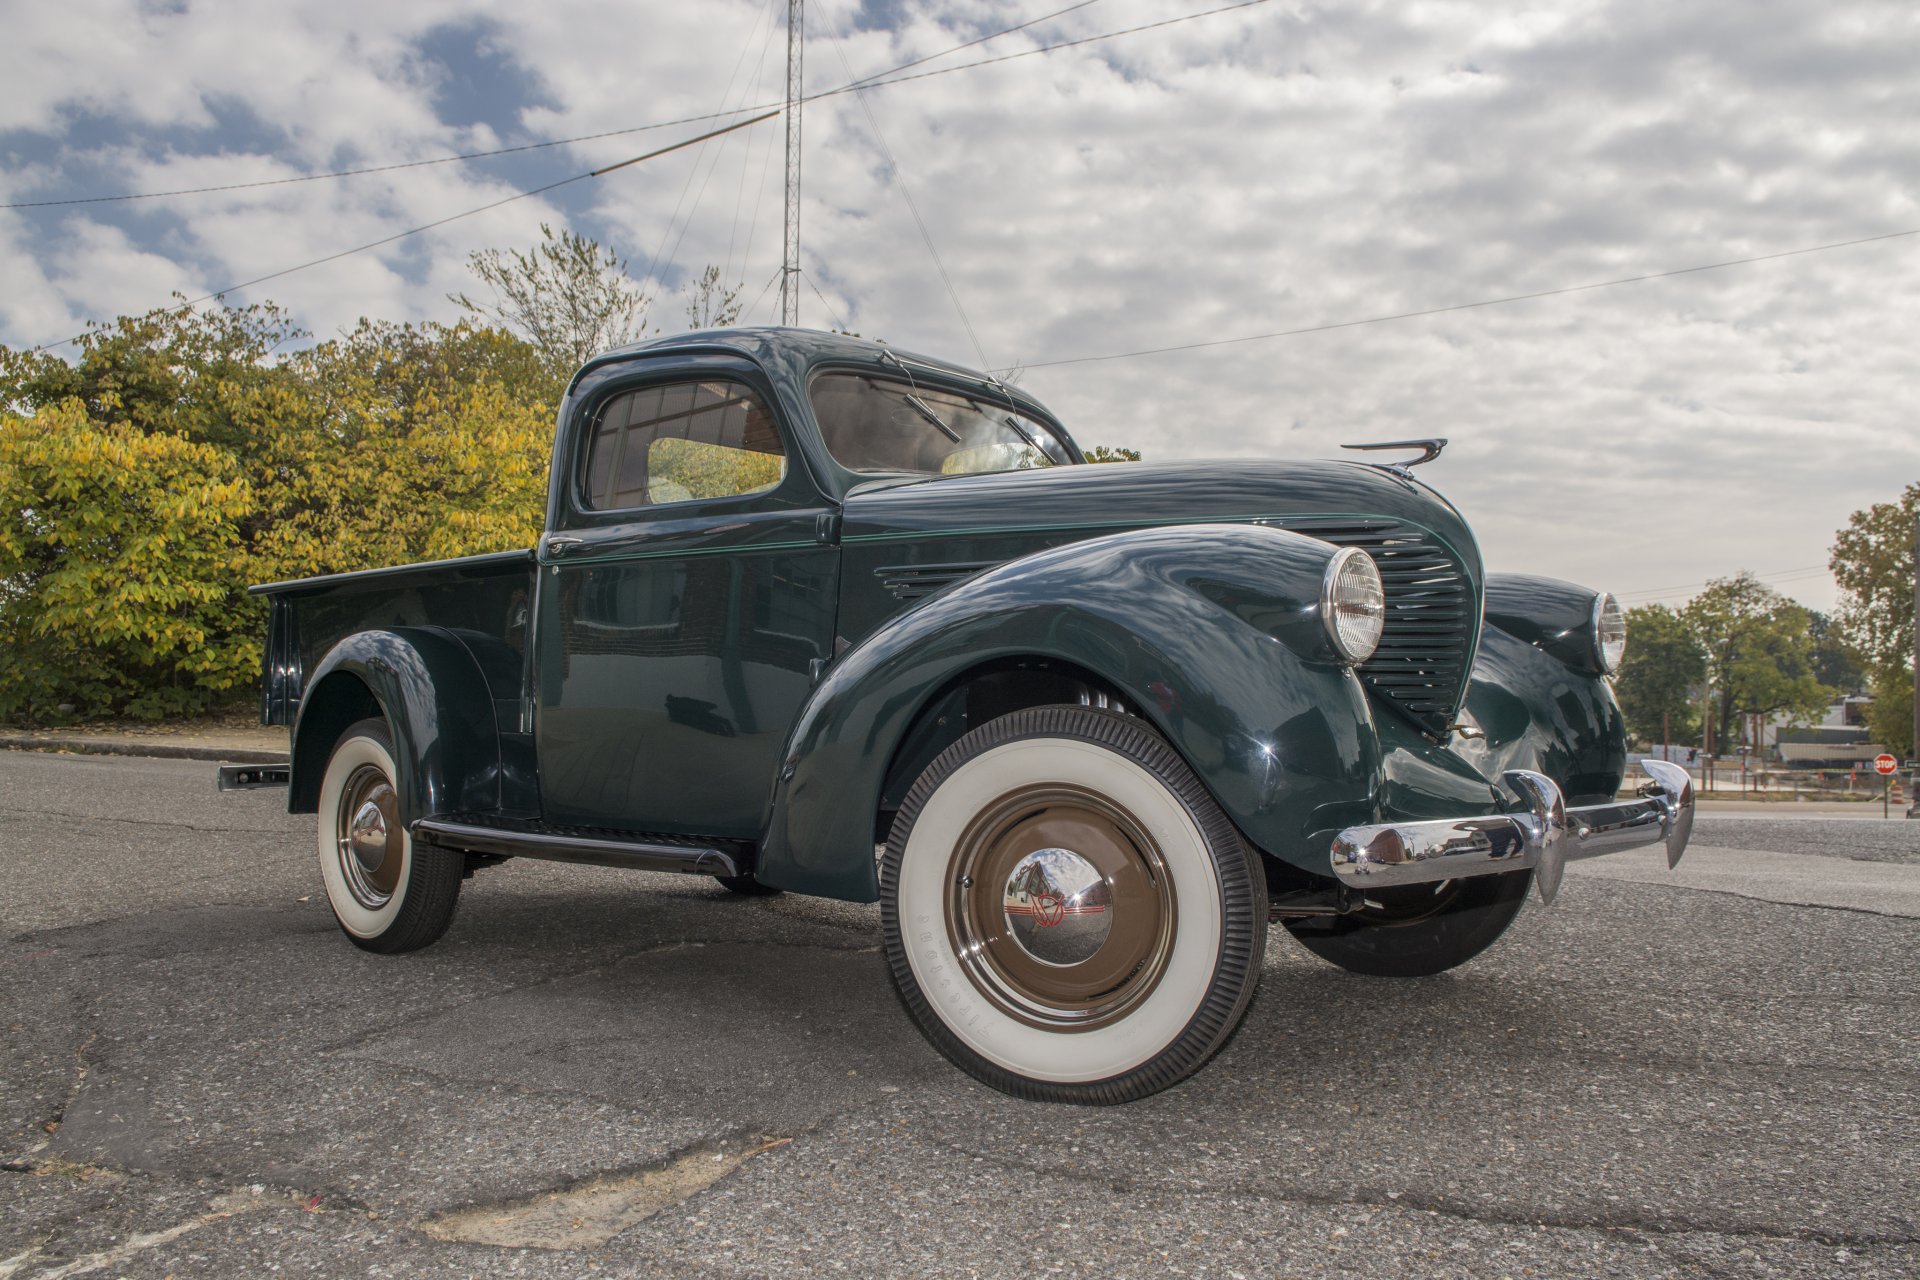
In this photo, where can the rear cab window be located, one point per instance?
(681, 442)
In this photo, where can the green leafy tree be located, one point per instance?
(1111, 453)
(1834, 662)
(1662, 676)
(1759, 651)
(1872, 561)
(193, 373)
(1890, 717)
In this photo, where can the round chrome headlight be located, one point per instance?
(1609, 632)
(1354, 604)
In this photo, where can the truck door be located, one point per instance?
(687, 590)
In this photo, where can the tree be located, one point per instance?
(404, 443)
(1834, 662)
(711, 305)
(1111, 453)
(117, 588)
(569, 297)
(183, 455)
(1872, 561)
(1890, 718)
(1759, 652)
(178, 370)
(1661, 678)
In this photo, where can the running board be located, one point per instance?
(474, 834)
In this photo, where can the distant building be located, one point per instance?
(1839, 741)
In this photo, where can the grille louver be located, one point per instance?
(1422, 664)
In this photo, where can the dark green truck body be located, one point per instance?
(768, 672)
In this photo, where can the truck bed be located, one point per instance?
(486, 596)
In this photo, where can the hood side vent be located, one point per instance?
(1423, 662)
(908, 582)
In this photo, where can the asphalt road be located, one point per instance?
(607, 1073)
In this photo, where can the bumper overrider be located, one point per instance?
(1545, 837)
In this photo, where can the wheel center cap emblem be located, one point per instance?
(1059, 910)
(368, 835)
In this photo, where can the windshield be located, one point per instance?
(873, 424)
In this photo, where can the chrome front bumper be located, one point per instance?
(1545, 837)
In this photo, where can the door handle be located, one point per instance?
(558, 544)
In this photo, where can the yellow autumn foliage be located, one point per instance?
(184, 455)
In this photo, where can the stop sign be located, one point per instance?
(1885, 764)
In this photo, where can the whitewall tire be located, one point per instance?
(386, 895)
(1068, 914)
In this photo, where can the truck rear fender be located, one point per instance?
(437, 705)
(1210, 632)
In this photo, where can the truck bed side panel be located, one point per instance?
(484, 601)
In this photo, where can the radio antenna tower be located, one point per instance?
(790, 249)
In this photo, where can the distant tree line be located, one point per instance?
(1740, 650)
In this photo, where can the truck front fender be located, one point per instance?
(436, 703)
(1212, 633)
(1538, 694)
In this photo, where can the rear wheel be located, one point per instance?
(1417, 930)
(387, 894)
(1068, 915)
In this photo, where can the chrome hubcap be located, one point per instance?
(368, 836)
(368, 840)
(1058, 907)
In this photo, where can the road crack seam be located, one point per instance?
(361, 1038)
(142, 822)
(1677, 1228)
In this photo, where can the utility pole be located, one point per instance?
(790, 246)
(1913, 779)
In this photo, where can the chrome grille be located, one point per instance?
(1425, 654)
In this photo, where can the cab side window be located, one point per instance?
(682, 442)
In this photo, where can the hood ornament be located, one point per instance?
(1429, 450)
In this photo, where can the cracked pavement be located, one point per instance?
(201, 1077)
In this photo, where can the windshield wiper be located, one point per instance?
(919, 405)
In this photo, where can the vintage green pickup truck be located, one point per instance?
(812, 614)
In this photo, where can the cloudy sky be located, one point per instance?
(1277, 167)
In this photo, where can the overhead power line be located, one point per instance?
(1004, 31)
(438, 222)
(1778, 575)
(1462, 306)
(899, 183)
(878, 79)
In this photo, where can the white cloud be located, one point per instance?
(1274, 168)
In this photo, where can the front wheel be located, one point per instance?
(387, 894)
(1417, 930)
(1068, 915)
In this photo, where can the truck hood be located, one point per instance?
(1106, 497)
(905, 541)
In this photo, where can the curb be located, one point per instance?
(153, 750)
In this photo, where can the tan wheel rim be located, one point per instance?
(1060, 907)
(368, 837)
